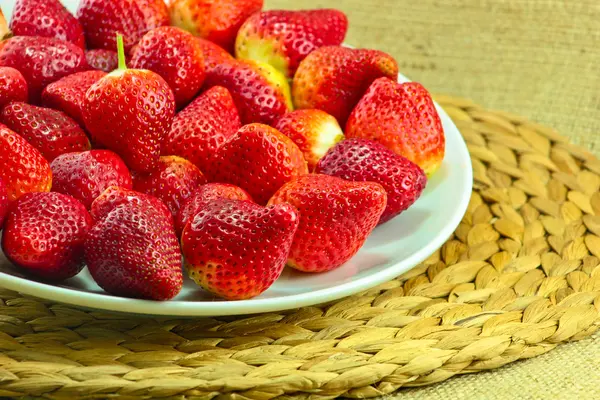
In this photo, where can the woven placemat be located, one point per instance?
(520, 275)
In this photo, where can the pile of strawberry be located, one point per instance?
(233, 166)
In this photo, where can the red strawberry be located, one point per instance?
(259, 159)
(46, 18)
(87, 174)
(314, 131)
(44, 234)
(363, 160)
(333, 79)
(3, 201)
(130, 111)
(13, 86)
(41, 60)
(102, 59)
(175, 55)
(133, 252)
(202, 127)
(284, 38)
(261, 93)
(51, 132)
(115, 196)
(24, 169)
(213, 54)
(336, 217)
(237, 249)
(217, 21)
(68, 93)
(102, 20)
(173, 181)
(403, 118)
(202, 197)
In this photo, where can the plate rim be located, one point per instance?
(181, 308)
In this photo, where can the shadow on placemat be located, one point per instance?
(520, 275)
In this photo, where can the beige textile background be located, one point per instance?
(537, 58)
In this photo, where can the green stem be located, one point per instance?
(121, 52)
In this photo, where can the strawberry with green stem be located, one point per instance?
(130, 111)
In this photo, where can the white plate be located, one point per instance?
(391, 250)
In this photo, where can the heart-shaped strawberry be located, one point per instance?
(237, 249)
(336, 217)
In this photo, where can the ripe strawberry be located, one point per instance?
(24, 169)
(115, 196)
(213, 54)
(130, 111)
(363, 160)
(13, 86)
(237, 249)
(175, 55)
(173, 181)
(102, 20)
(3, 201)
(102, 59)
(202, 127)
(46, 18)
(314, 131)
(51, 132)
(217, 21)
(333, 78)
(259, 159)
(41, 60)
(67, 94)
(403, 118)
(202, 197)
(44, 234)
(133, 252)
(336, 217)
(284, 38)
(87, 174)
(260, 92)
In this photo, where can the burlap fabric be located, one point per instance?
(519, 278)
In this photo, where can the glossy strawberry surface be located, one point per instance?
(13, 86)
(102, 59)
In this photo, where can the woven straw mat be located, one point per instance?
(520, 275)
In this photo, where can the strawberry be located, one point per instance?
(217, 21)
(336, 217)
(202, 197)
(13, 86)
(237, 249)
(314, 131)
(202, 127)
(259, 159)
(333, 78)
(24, 169)
(103, 19)
(115, 196)
(402, 117)
(85, 175)
(133, 252)
(46, 18)
(130, 111)
(102, 59)
(41, 60)
(363, 160)
(3, 201)
(67, 94)
(260, 92)
(173, 181)
(51, 132)
(175, 55)
(44, 234)
(213, 54)
(284, 38)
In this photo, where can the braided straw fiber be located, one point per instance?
(520, 275)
